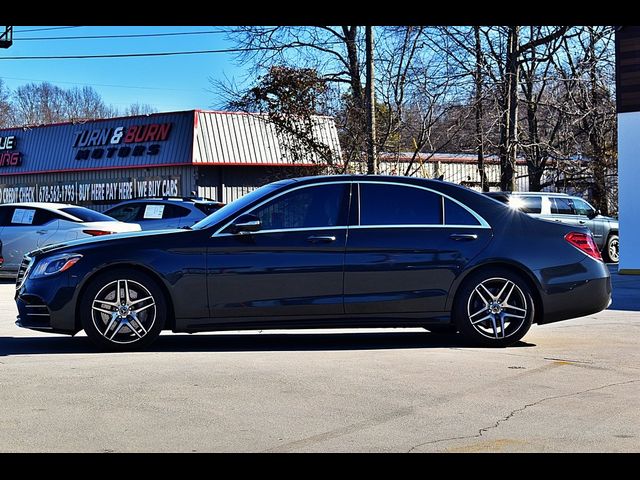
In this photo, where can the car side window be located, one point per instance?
(153, 211)
(175, 211)
(529, 204)
(385, 204)
(454, 214)
(24, 217)
(316, 206)
(44, 217)
(5, 216)
(582, 207)
(126, 213)
(562, 206)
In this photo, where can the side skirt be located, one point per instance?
(192, 325)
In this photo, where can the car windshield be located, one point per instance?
(86, 215)
(235, 206)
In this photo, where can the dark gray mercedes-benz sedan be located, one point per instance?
(334, 251)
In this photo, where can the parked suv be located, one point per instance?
(165, 212)
(560, 207)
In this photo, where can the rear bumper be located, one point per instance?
(573, 291)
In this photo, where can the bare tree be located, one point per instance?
(139, 109)
(6, 108)
(41, 103)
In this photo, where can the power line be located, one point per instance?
(136, 35)
(157, 54)
(43, 29)
(98, 84)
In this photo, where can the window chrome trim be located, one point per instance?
(283, 230)
(218, 234)
(426, 225)
(482, 221)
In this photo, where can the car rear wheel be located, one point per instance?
(123, 310)
(612, 249)
(494, 308)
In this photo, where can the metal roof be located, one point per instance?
(237, 138)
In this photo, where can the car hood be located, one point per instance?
(112, 238)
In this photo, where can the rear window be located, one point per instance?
(86, 215)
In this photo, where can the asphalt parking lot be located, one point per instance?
(573, 386)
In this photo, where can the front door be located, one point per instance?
(409, 246)
(292, 266)
(586, 218)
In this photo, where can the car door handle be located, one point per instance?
(582, 222)
(42, 232)
(463, 236)
(321, 239)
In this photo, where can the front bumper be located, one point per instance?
(46, 304)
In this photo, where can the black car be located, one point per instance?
(335, 251)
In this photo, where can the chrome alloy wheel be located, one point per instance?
(614, 250)
(497, 308)
(123, 311)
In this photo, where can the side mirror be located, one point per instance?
(246, 223)
(594, 213)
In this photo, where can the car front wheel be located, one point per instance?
(123, 310)
(494, 308)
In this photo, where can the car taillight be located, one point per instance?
(96, 233)
(585, 243)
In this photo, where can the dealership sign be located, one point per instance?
(9, 156)
(91, 192)
(120, 141)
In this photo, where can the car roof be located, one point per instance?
(171, 199)
(524, 194)
(45, 205)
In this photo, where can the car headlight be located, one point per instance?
(55, 264)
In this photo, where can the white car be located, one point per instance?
(28, 226)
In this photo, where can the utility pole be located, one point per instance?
(372, 160)
(6, 37)
(479, 111)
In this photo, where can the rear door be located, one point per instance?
(406, 248)
(562, 210)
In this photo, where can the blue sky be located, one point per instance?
(166, 83)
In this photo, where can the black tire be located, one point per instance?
(442, 329)
(611, 252)
(146, 313)
(481, 324)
